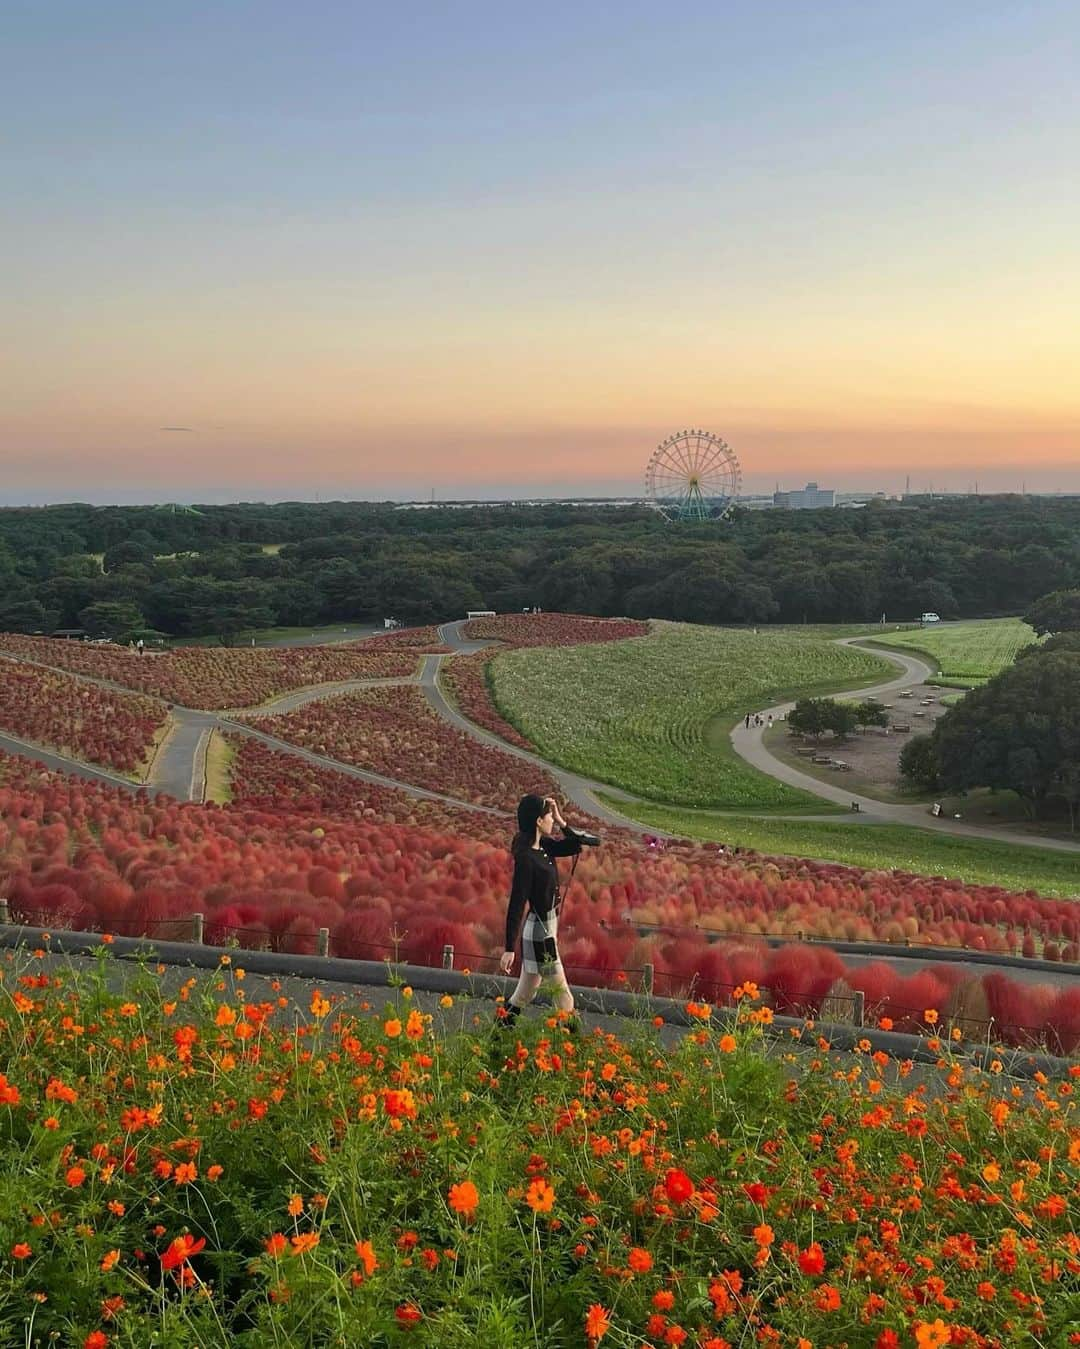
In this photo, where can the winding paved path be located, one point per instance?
(749, 744)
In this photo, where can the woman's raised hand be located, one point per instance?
(506, 962)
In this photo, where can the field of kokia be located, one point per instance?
(652, 715)
(221, 1165)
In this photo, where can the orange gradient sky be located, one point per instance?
(360, 255)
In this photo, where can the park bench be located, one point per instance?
(821, 758)
(902, 726)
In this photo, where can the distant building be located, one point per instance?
(811, 498)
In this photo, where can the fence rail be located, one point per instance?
(193, 929)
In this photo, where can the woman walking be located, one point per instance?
(536, 886)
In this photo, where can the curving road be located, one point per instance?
(749, 744)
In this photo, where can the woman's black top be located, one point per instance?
(536, 881)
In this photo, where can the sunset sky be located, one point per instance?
(371, 250)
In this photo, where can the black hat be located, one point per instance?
(530, 808)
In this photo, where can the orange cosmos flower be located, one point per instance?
(295, 1206)
(812, 1260)
(109, 1260)
(185, 1173)
(97, 1339)
(991, 1172)
(540, 1196)
(414, 1027)
(728, 1044)
(931, 1335)
(304, 1241)
(392, 1028)
(275, 1244)
(930, 1016)
(597, 1322)
(764, 1235)
(22, 1250)
(75, 1176)
(214, 1172)
(639, 1260)
(365, 1253)
(319, 1005)
(464, 1198)
(181, 1249)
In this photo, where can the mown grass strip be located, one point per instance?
(875, 846)
(975, 650)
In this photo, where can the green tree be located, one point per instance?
(871, 713)
(1057, 612)
(131, 550)
(815, 716)
(918, 763)
(1019, 732)
(111, 618)
(22, 615)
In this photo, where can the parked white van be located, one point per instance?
(931, 618)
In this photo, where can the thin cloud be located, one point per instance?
(176, 428)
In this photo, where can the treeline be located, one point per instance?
(185, 571)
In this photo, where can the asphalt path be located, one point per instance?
(748, 743)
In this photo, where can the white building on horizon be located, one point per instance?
(810, 498)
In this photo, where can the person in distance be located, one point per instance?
(536, 887)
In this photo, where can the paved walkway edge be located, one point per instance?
(607, 1002)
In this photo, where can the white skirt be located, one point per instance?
(540, 945)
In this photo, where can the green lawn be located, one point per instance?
(876, 846)
(652, 714)
(976, 650)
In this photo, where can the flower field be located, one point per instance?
(975, 650)
(465, 680)
(387, 875)
(82, 721)
(653, 716)
(468, 1186)
(552, 629)
(218, 677)
(395, 732)
(425, 639)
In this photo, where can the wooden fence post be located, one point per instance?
(448, 957)
(648, 975)
(323, 945)
(859, 1015)
(197, 920)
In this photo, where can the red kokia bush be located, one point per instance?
(389, 875)
(216, 677)
(552, 629)
(395, 732)
(82, 721)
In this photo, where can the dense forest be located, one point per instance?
(219, 569)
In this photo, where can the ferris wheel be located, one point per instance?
(693, 475)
